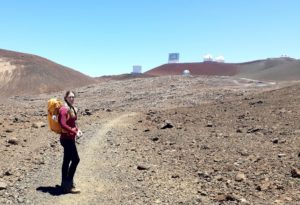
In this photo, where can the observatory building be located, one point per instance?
(220, 59)
(207, 58)
(173, 58)
(136, 69)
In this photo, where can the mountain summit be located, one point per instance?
(22, 74)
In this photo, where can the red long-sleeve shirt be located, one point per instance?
(67, 122)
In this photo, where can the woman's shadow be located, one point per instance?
(54, 191)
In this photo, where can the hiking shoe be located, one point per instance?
(74, 191)
(73, 185)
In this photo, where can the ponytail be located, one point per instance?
(65, 98)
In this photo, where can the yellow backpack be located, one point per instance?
(54, 105)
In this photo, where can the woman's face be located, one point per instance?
(70, 98)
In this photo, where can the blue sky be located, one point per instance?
(102, 37)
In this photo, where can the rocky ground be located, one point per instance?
(164, 140)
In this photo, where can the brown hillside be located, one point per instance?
(205, 68)
(121, 77)
(278, 69)
(275, 69)
(22, 73)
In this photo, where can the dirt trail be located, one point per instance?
(94, 174)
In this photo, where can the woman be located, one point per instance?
(67, 119)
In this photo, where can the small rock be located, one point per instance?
(254, 130)
(225, 197)
(21, 200)
(175, 176)
(38, 124)
(209, 124)
(281, 155)
(264, 185)
(239, 130)
(256, 102)
(143, 167)
(205, 147)
(278, 201)
(240, 177)
(243, 201)
(166, 124)
(87, 112)
(13, 141)
(219, 178)
(154, 139)
(243, 152)
(218, 159)
(9, 130)
(204, 175)
(8, 173)
(3, 185)
(295, 172)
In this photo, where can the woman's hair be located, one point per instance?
(67, 94)
(65, 98)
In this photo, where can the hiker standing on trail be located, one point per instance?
(67, 119)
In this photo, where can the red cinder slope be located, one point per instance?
(205, 68)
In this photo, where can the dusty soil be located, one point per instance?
(164, 140)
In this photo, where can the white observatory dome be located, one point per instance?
(220, 59)
(186, 73)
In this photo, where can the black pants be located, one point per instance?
(71, 159)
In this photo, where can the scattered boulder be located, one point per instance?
(256, 102)
(87, 112)
(154, 139)
(254, 129)
(38, 124)
(9, 130)
(3, 185)
(209, 124)
(240, 177)
(225, 197)
(166, 124)
(264, 185)
(295, 172)
(13, 141)
(143, 167)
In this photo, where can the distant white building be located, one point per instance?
(207, 58)
(173, 58)
(136, 69)
(220, 59)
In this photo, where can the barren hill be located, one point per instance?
(22, 73)
(277, 69)
(205, 68)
